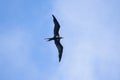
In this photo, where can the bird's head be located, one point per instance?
(61, 37)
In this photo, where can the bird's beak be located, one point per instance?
(62, 37)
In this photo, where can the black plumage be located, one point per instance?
(57, 37)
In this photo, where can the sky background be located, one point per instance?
(91, 31)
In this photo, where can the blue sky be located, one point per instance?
(91, 40)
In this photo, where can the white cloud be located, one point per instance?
(91, 45)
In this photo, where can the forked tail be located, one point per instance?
(48, 39)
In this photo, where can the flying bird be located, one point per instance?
(57, 37)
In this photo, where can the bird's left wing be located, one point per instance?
(56, 26)
(60, 48)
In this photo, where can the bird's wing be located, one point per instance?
(59, 47)
(56, 26)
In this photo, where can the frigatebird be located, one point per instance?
(57, 37)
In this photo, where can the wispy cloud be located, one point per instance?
(15, 56)
(91, 44)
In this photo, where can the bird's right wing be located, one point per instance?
(60, 48)
(56, 26)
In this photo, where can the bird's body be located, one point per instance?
(57, 38)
